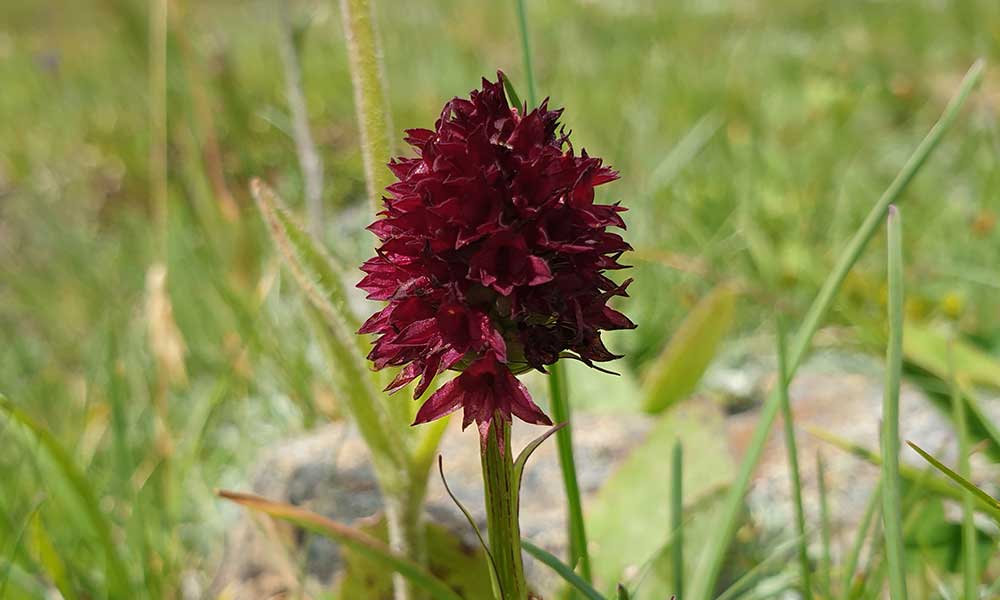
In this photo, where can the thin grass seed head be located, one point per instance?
(492, 258)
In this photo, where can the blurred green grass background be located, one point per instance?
(752, 137)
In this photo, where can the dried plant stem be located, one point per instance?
(370, 98)
(309, 161)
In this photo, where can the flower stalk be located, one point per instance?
(502, 521)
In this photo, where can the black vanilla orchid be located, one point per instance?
(492, 258)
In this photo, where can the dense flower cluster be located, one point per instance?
(492, 258)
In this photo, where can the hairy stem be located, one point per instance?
(501, 512)
(370, 98)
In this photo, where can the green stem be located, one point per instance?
(502, 522)
(891, 498)
(791, 449)
(676, 519)
(578, 555)
(370, 98)
(970, 566)
(529, 73)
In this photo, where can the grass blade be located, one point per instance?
(824, 527)
(718, 544)
(937, 485)
(891, 497)
(965, 483)
(529, 73)
(969, 566)
(563, 570)
(676, 519)
(578, 555)
(358, 541)
(851, 565)
(793, 465)
(623, 592)
(118, 579)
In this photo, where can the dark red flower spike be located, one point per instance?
(491, 258)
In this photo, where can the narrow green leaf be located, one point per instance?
(529, 73)
(358, 541)
(892, 496)
(676, 518)
(720, 538)
(77, 482)
(494, 574)
(512, 98)
(854, 555)
(982, 496)
(826, 562)
(579, 554)
(622, 592)
(970, 567)
(679, 368)
(791, 450)
(525, 454)
(563, 570)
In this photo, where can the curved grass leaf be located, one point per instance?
(984, 498)
(678, 369)
(522, 458)
(359, 541)
(562, 570)
(85, 497)
(494, 577)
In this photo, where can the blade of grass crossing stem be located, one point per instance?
(854, 555)
(891, 498)
(824, 526)
(676, 519)
(969, 567)
(563, 570)
(357, 540)
(557, 379)
(717, 544)
(793, 465)
(983, 497)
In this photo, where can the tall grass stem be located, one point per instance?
(891, 497)
(791, 449)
